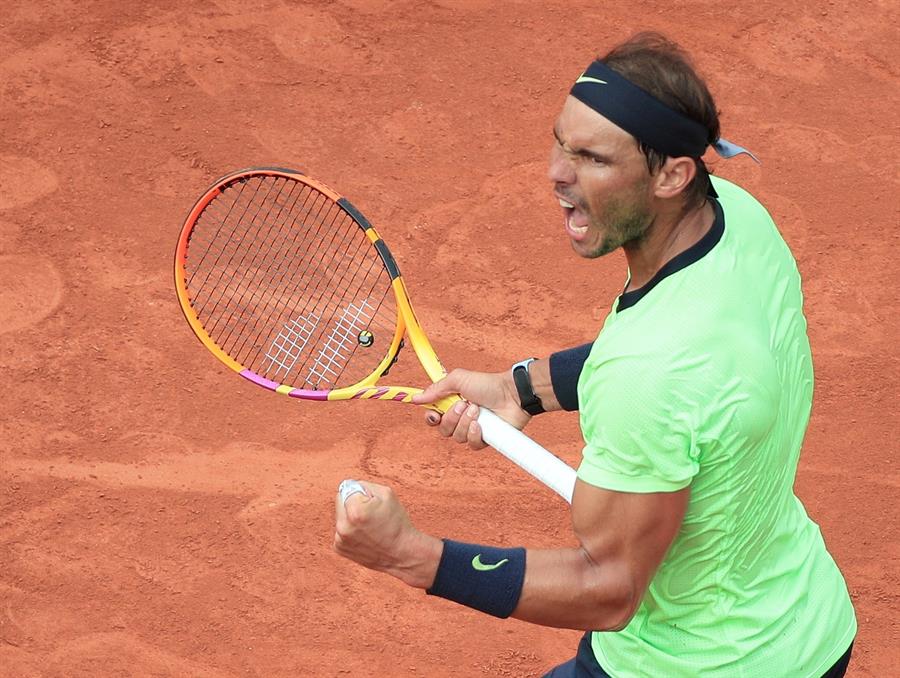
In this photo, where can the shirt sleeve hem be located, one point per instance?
(621, 483)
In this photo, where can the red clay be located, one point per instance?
(159, 516)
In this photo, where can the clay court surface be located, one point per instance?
(159, 516)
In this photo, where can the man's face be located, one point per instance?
(601, 180)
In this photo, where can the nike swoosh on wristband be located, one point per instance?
(485, 567)
(587, 78)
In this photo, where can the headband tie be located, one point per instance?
(645, 117)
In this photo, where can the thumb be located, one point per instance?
(436, 391)
(448, 386)
(353, 488)
(354, 503)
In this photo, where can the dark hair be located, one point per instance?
(659, 66)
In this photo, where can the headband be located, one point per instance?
(645, 117)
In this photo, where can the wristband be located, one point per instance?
(565, 370)
(484, 578)
(527, 397)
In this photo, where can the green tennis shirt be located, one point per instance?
(703, 378)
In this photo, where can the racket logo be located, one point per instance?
(335, 352)
(288, 346)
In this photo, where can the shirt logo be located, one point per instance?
(587, 78)
(486, 567)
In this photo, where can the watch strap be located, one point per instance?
(528, 399)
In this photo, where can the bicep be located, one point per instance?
(598, 585)
(628, 531)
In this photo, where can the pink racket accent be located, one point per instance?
(260, 381)
(273, 386)
(306, 394)
(375, 392)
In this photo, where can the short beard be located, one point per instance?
(622, 226)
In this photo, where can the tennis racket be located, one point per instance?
(288, 284)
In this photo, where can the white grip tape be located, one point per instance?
(527, 454)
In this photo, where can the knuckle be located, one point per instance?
(341, 529)
(457, 376)
(355, 516)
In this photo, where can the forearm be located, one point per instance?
(564, 588)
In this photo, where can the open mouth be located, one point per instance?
(576, 219)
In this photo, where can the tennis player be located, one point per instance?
(695, 557)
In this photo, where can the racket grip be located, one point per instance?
(527, 454)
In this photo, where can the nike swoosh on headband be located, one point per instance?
(587, 78)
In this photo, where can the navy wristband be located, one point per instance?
(565, 369)
(484, 578)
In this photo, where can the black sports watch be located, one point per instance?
(527, 397)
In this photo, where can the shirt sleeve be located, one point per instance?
(638, 426)
(565, 369)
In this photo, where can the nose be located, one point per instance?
(560, 170)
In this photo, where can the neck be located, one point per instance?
(670, 234)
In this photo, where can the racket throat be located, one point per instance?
(394, 360)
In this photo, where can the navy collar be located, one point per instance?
(691, 255)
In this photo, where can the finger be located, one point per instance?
(461, 434)
(450, 420)
(433, 418)
(474, 436)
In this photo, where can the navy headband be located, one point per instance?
(644, 116)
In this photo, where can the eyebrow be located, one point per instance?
(582, 152)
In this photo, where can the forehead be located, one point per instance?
(581, 126)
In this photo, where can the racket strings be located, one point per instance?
(274, 286)
(258, 241)
(352, 298)
(344, 337)
(289, 285)
(317, 261)
(233, 236)
(197, 238)
(237, 316)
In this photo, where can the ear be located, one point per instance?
(674, 177)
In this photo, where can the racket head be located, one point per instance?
(288, 284)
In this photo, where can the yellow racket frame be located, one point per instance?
(407, 323)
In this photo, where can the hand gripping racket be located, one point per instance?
(288, 284)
